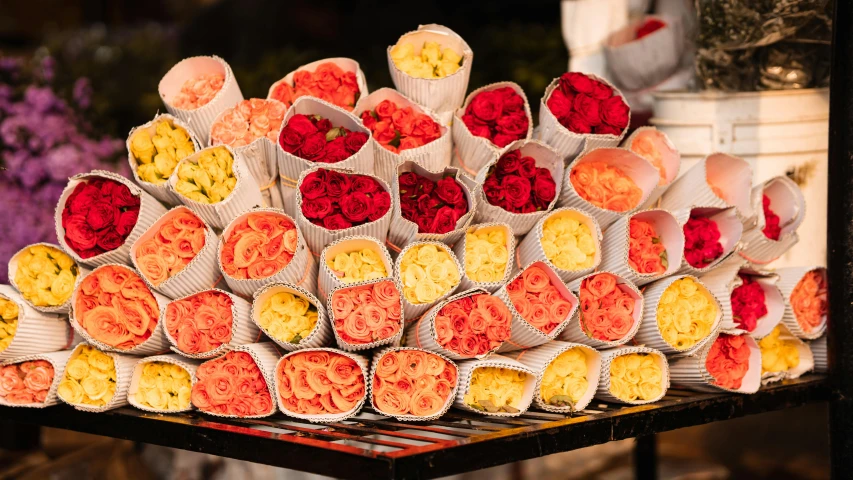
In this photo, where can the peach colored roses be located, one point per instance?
(367, 313)
(537, 300)
(248, 121)
(259, 246)
(605, 186)
(319, 383)
(231, 385)
(646, 253)
(26, 382)
(606, 311)
(412, 382)
(200, 323)
(808, 300)
(175, 243)
(115, 307)
(199, 91)
(474, 325)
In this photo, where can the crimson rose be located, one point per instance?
(98, 216)
(435, 207)
(313, 138)
(517, 185)
(585, 105)
(336, 200)
(701, 241)
(497, 115)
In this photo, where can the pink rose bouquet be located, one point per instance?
(366, 314)
(26, 382)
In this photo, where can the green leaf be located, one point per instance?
(655, 240)
(664, 259)
(561, 401)
(396, 142)
(334, 133)
(476, 407)
(296, 338)
(374, 115)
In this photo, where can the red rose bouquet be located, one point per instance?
(728, 361)
(748, 303)
(606, 311)
(497, 115)
(336, 201)
(313, 138)
(474, 325)
(397, 129)
(232, 385)
(646, 252)
(98, 216)
(701, 241)
(584, 105)
(328, 82)
(435, 207)
(517, 185)
(772, 230)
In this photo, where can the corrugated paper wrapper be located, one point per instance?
(300, 271)
(730, 228)
(201, 118)
(818, 348)
(530, 249)
(123, 365)
(245, 196)
(321, 334)
(243, 331)
(362, 362)
(786, 201)
(637, 168)
(37, 332)
(466, 282)
(640, 63)
(568, 144)
(13, 268)
(433, 156)
(318, 237)
(807, 362)
(153, 345)
(653, 145)
(607, 356)
(330, 279)
(466, 370)
(149, 211)
(345, 64)
(692, 372)
(521, 223)
(393, 340)
(266, 356)
(789, 277)
(730, 176)
(403, 231)
(538, 359)
(188, 365)
(58, 360)
(160, 191)
(473, 153)
(617, 241)
(649, 332)
(412, 311)
(525, 335)
(438, 94)
(377, 356)
(574, 331)
(200, 274)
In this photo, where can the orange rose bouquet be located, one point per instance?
(805, 292)
(655, 146)
(203, 324)
(31, 381)
(610, 311)
(367, 315)
(605, 186)
(652, 243)
(338, 81)
(238, 384)
(730, 362)
(411, 384)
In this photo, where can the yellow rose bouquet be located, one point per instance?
(486, 253)
(25, 330)
(783, 355)
(567, 240)
(45, 276)
(633, 375)
(154, 151)
(685, 314)
(162, 384)
(291, 316)
(567, 375)
(428, 272)
(353, 259)
(432, 61)
(498, 386)
(95, 381)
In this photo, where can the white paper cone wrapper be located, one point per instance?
(412, 311)
(730, 228)
(200, 119)
(266, 356)
(525, 335)
(530, 248)
(818, 348)
(786, 201)
(521, 223)
(637, 168)
(466, 370)
(149, 211)
(321, 334)
(200, 274)
(473, 153)
(731, 175)
(318, 237)
(124, 372)
(377, 356)
(466, 282)
(393, 340)
(649, 332)
(13, 268)
(617, 240)
(539, 358)
(440, 94)
(37, 332)
(574, 331)
(807, 362)
(669, 156)
(434, 156)
(58, 360)
(243, 330)
(403, 231)
(346, 64)
(329, 279)
(691, 371)
(153, 345)
(789, 277)
(300, 271)
(188, 365)
(568, 144)
(607, 356)
(362, 362)
(637, 64)
(245, 196)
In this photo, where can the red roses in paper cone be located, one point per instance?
(412, 382)
(248, 121)
(646, 253)
(772, 230)
(434, 206)
(648, 27)
(171, 248)
(327, 82)
(605, 309)
(313, 138)
(98, 216)
(517, 185)
(398, 129)
(367, 313)
(232, 385)
(26, 382)
(474, 325)
(497, 115)
(728, 361)
(336, 200)
(748, 303)
(259, 246)
(585, 105)
(701, 241)
(537, 300)
(201, 322)
(605, 186)
(319, 383)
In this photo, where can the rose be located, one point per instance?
(487, 106)
(449, 191)
(576, 82)
(355, 140)
(588, 108)
(313, 146)
(514, 125)
(301, 125)
(576, 123)
(516, 190)
(355, 207)
(559, 103)
(313, 185)
(336, 222)
(614, 112)
(527, 167)
(391, 401)
(477, 130)
(364, 185)
(317, 208)
(78, 231)
(381, 204)
(83, 196)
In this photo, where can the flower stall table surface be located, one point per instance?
(373, 446)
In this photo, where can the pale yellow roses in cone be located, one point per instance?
(358, 266)
(288, 317)
(158, 154)
(210, 180)
(496, 389)
(564, 381)
(567, 243)
(164, 386)
(8, 322)
(685, 313)
(89, 378)
(427, 272)
(635, 377)
(486, 256)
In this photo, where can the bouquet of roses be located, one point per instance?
(163, 384)
(248, 121)
(517, 185)
(473, 326)
(701, 241)
(166, 249)
(26, 382)
(290, 316)
(607, 309)
(536, 299)
(156, 148)
(808, 302)
(366, 315)
(258, 245)
(25, 330)
(771, 230)
(198, 91)
(328, 82)
(412, 384)
(605, 186)
(728, 361)
(748, 303)
(313, 138)
(646, 251)
(336, 201)
(585, 105)
(321, 384)
(398, 128)
(45, 276)
(233, 385)
(94, 380)
(499, 115)
(199, 324)
(434, 206)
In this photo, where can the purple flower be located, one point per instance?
(41, 99)
(48, 69)
(83, 92)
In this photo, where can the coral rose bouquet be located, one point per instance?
(95, 381)
(485, 252)
(32, 380)
(100, 214)
(656, 147)
(567, 240)
(609, 313)
(366, 315)
(633, 375)
(411, 384)
(496, 386)
(321, 384)
(710, 236)
(643, 247)
(520, 185)
(206, 324)
(491, 118)
(25, 330)
(154, 150)
(428, 273)
(780, 213)
(354, 259)
(291, 316)
(784, 356)
(239, 384)
(162, 384)
(338, 81)
(45, 276)
(730, 362)
(805, 291)
(717, 181)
